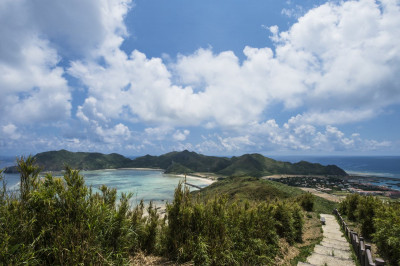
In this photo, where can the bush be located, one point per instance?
(217, 232)
(379, 220)
(387, 231)
(366, 212)
(307, 201)
(61, 221)
(348, 206)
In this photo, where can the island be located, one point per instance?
(184, 162)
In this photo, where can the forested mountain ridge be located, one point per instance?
(57, 160)
(184, 162)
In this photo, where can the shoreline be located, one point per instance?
(140, 169)
(208, 180)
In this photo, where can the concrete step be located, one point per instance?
(343, 254)
(334, 244)
(321, 259)
(305, 264)
(334, 250)
(335, 235)
(339, 242)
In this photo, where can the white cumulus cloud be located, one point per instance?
(181, 135)
(337, 64)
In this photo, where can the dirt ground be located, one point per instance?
(312, 234)
(324, 195)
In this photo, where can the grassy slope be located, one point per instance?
(254, 189)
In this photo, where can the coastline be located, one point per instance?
(208, 180)
(161, 206)
(140, 169)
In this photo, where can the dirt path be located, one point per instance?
(327, 196)
(334, 249)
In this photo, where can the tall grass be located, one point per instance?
(62, 221)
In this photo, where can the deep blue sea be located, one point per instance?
(378, 166)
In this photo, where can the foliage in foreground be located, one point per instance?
(379, 220)
(217, 232)
(62, 221)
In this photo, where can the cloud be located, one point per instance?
(181, 135)
(333, 117)
(33, 88)
(11, 132)
(116, 134)
(158, 133)
(77, 28)
(338, 64)
(325, 63)
(269, 137)
(295, 12)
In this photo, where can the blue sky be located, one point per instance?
(215, 77)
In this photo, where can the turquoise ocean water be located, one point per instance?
(156, 186)
(148, 185)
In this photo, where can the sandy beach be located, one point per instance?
(142, 169)
(205, 179)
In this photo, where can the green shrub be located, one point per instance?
(366, 212)
(348, 206)
(379, 220)
(307, 201)
(217, 232)
(61, 221)
(387, 231)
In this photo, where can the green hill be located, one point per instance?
(56, 160)
(258, 165)
(183, 162)
(248, 164)
(254, 189)
(191, 161)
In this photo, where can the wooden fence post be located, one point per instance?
(362, 250)
(379, 262)
(368, 257)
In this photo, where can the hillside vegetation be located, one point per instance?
(379, 222)
(244, 189)
(61, 221)
(58, 160)
(248, 164)
(184, 162)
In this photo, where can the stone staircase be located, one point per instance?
(334, 250)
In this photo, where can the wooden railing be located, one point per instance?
(362, 249)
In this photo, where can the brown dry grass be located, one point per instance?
(312, 234)
(142, 259)
(331, 197)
